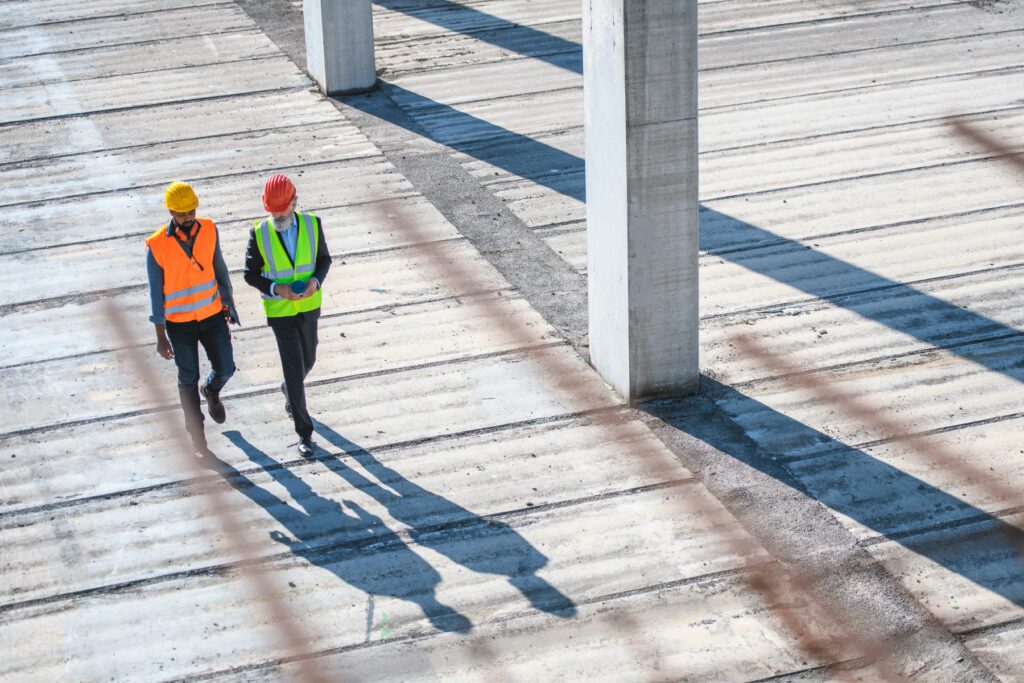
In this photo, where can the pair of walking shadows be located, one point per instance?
(331, 535)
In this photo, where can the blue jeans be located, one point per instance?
(185, 339)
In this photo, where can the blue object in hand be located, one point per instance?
(298, 286)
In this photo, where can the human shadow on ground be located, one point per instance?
(481, 544)
(896, 505)
(353, 544)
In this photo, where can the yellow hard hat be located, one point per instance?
(180, 197)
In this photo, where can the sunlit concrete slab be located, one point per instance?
(120, 129)
(224, 199)
(968, 576)
(730, 172)
(36, 12)
(111, 25)
(869, 325)
(724, 87)
(132, 450)
(133, 58)
(82, 97)
(883, 505)
(999, 649)
(351, 344)
(845, 225)
(631, 636)
(734, 125)
(151, 165)
(268, 499)
(414, 21)
(972, 382)
(335, 593)
(414, 276)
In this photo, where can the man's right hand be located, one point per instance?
(163, 347)
(284, 291)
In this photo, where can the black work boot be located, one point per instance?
(214, 404)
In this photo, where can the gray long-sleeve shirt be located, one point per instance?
(156, 282)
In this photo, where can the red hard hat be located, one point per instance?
(278, 193)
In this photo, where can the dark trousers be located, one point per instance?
(185, 339)
(296, 343)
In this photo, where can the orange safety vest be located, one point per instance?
(190, 286)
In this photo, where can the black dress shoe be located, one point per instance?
(287, 403)
(214, 405)
(306, 447)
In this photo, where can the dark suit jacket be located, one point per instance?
(254, 261)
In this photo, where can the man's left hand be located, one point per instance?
(312, 284)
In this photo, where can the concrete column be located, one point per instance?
(640, 93)
(339, 45)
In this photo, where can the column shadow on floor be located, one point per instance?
(892, 503)
(927, 318)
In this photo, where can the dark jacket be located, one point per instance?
(254, 260)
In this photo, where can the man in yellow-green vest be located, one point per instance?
(287, 260)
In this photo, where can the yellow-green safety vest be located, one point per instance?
(279, 268)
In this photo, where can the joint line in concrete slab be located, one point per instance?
(350, 159)
(552, 422)
(875, 360)
(993, 629)
(129, 43)
(502, 619)
(817, 94)
(145, 72)
(875, 49)
(244, 330)
(96, 295)
(832, 19)
(979, 519)
(512, 518)
(5, 436)
(134, 107)
(952, 277)
(119, 15)
(253, 132)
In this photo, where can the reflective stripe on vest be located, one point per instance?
(194, 306)
(278, 268)
(190, 286)
(168, 298)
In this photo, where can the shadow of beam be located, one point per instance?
(507, 35)
(883, 498)
(782, 259)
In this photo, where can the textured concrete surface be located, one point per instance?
(465, 517)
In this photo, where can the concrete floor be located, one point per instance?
(471, 515)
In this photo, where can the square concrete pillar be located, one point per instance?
(640, 94)
(339, 45)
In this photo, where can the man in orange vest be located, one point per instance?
(287, 260)
(191, 299)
